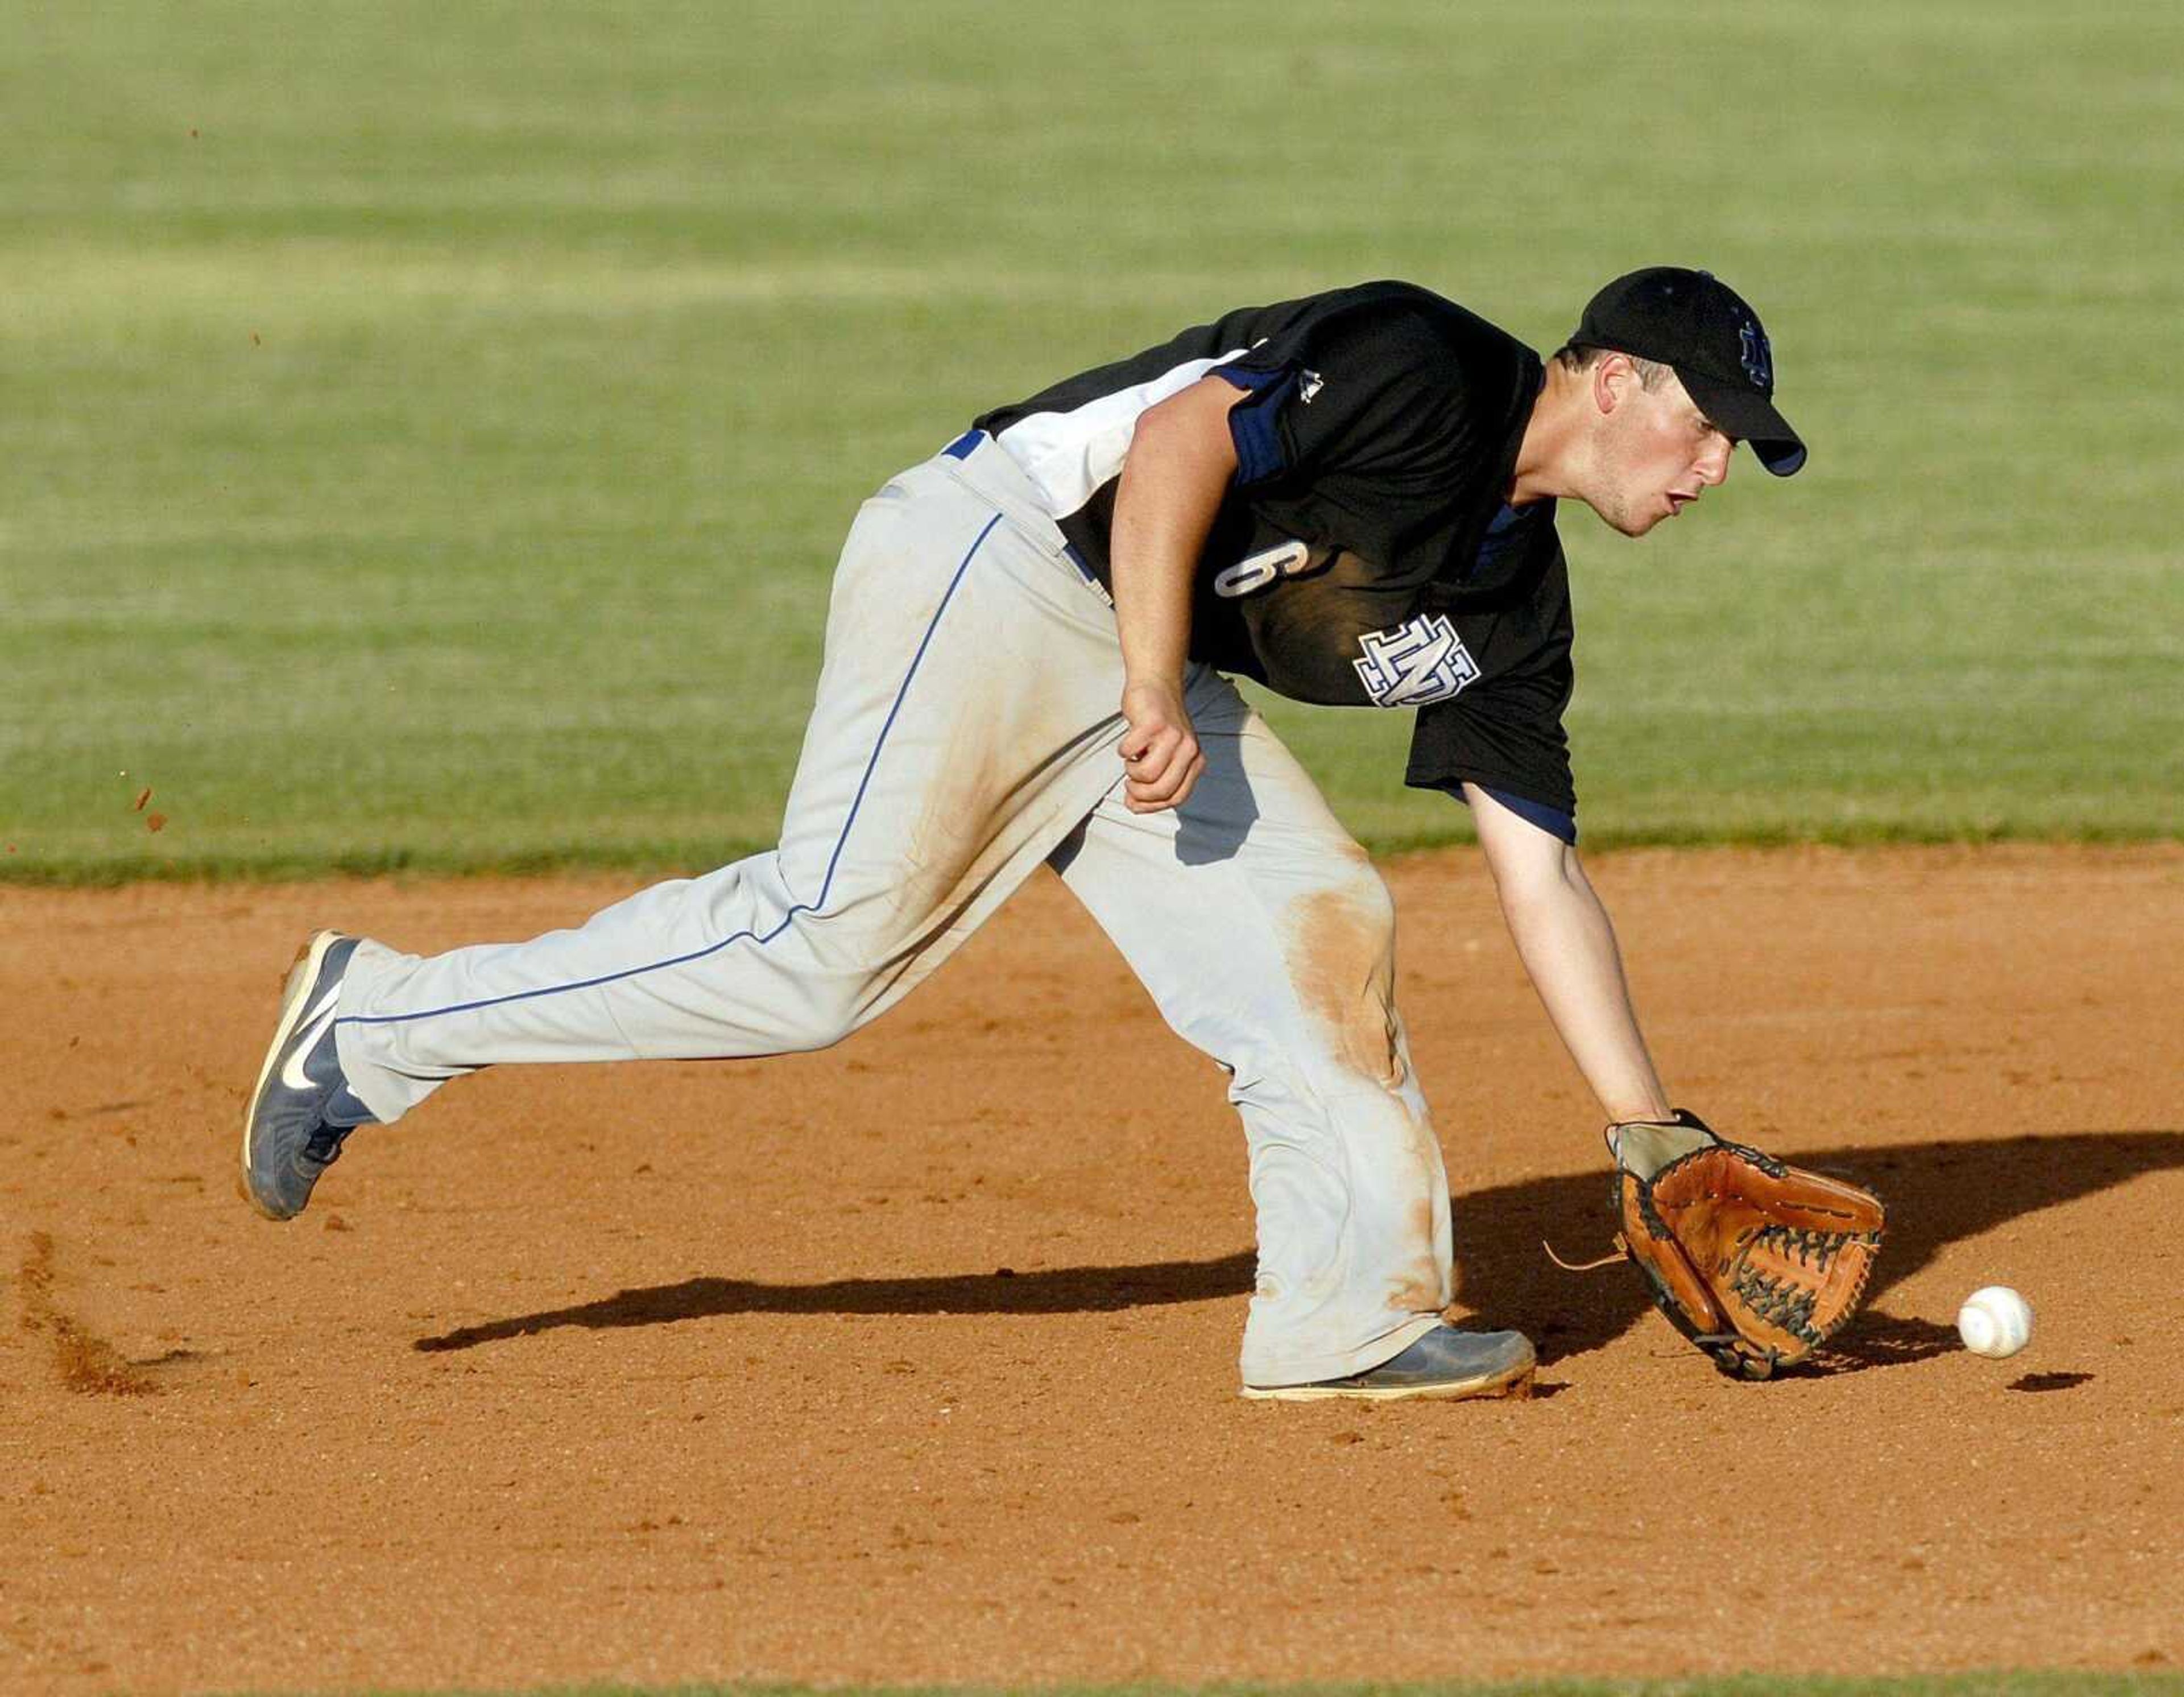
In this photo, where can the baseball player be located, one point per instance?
(1350, 497)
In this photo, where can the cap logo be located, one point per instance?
(1757, 359)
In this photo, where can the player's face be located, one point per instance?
(1657, 453)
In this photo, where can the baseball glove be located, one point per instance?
(1756, 1261)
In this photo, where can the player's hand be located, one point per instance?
(1160, 751)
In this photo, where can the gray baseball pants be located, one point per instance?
(965, 731)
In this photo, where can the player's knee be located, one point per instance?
(1367, 892)
(820, 1016)
(824, 1028)
(1341, 956)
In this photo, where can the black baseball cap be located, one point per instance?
(1698, 325)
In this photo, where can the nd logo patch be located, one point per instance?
(1419, 661)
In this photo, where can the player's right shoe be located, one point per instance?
(303, 1106)
(1444, 1362)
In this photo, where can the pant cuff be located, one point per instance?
(1266, 1373)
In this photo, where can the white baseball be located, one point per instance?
(1995, 1322)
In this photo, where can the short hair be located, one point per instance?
(1581, 356)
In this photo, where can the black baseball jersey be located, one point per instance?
(1363, 554)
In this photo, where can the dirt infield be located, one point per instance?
(915, 1360)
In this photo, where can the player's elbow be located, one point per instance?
(1526, 861)
(1528, 899)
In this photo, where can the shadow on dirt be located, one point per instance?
(1937, 1193)
(2049, 1381)
(1051, 1290)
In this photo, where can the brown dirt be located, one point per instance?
(915, 1360)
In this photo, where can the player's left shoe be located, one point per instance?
(303, 1106)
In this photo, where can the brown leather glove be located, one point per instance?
(1756, 1262)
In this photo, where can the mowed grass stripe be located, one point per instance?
(429, 429)
(1994, 1683)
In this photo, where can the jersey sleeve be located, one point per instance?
(1365, 386)
(1506, 736)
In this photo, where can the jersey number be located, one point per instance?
(1269, 565)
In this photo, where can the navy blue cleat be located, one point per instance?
(1444, 1362)
(303, 1106)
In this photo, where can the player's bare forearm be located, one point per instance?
(1179, 465)
(1568, 944)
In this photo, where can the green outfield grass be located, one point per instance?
(428, 427)
(1989, 1684)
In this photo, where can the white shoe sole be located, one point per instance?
(1515, 1383)
(294, 994)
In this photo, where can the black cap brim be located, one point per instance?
(1749, 416)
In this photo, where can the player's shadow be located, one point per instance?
(1935, 1193)
(1047, 1289)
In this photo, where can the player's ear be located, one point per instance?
(1612, 378)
